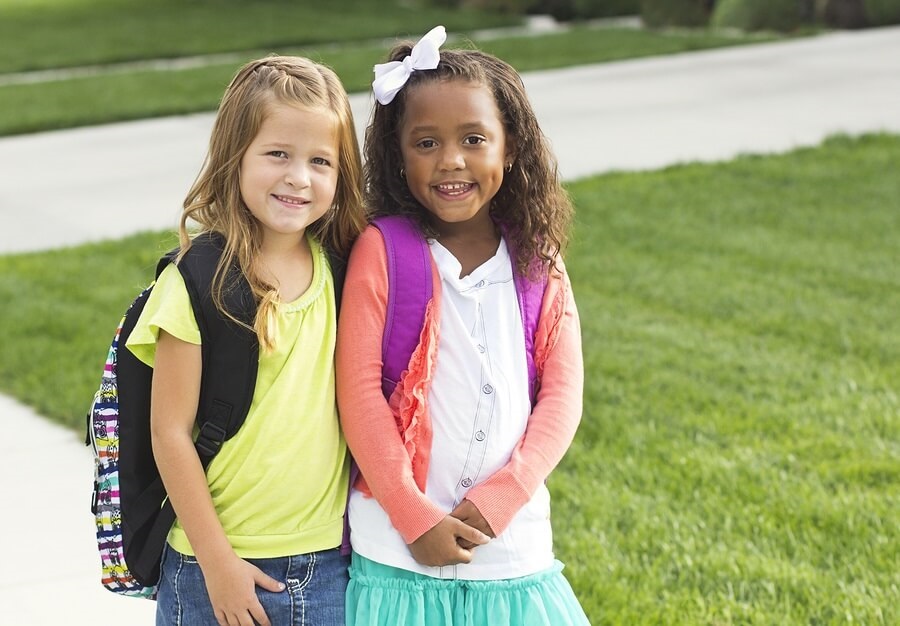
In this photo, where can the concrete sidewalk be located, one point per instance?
(94, 183)
(88, 184)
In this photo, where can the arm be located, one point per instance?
(230, 581)
(367, 420)
(551, 426)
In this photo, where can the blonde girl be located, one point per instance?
(278, 201)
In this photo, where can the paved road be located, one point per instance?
(88, 184)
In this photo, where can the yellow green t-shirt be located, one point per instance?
(279, 486)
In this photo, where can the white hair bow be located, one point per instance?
(390, 77)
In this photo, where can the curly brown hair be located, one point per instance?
(532, 206)
(215, 202)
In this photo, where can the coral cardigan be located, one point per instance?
(391, 441)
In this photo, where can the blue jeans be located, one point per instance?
(316, 583)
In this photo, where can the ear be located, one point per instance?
(511, 151)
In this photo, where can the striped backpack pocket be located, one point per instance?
(106, 505)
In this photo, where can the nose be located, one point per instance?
(297, 176)
(452, 158)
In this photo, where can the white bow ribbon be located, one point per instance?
(390, 77)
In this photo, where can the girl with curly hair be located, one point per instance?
(450, 515)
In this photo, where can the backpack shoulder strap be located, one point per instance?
(409, 290)
(338, 272)
(230, 356)
(531, 296)
(230, 351)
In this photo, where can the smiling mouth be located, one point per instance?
(289, 200)
(454, 189)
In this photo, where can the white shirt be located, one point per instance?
(479, 408)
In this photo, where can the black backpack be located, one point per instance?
(133, 515)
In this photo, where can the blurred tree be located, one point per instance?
(563, 10)
(751, 15)
(585, 9)
(882, 12)
(845, 13)
(662, 13)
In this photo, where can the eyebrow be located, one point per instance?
(282, 146)
(466, 126)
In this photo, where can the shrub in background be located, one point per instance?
(499, 6)
(750, 15)
(882, 12)
(661, 13)
(747, 15)
(585, 9)
(843, 13)
(563, 10)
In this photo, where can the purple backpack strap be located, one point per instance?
(409, 290)
(531, 296)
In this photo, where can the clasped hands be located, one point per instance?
(453, 539)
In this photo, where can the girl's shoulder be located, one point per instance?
(369, 244)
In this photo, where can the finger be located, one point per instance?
(464, 531)
(477, 523)
(245, 619)
(259, 614)
(267, 582)
(465, 545)
(463, 556)
(465, 519)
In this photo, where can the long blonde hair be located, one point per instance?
(214, 201)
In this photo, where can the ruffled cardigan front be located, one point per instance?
(391, 440)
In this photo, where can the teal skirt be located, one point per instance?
(380, 595)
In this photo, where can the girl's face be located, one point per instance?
(289, 172)
(454, 149)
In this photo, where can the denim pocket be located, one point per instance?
(301, 572)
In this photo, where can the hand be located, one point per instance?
(467, 512)
(440, 545)
(231, 584)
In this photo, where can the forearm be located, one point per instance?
(378, 449)
(174, 399)
(187, 489)
(367, 420)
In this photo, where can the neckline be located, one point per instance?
(449, 267)
(316, 285)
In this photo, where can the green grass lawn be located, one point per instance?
(113, 97)
(739, 457)
(41, 34)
